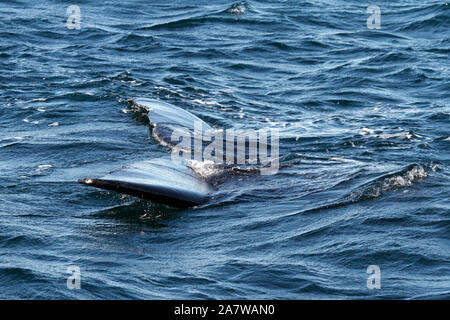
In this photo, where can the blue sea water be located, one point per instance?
(363, 116)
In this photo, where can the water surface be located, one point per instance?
(363, 116)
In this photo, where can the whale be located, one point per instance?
(160, 180)
(177, 181)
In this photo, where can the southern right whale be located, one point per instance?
(162, 180)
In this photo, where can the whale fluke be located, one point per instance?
(160, 180)
(165, 118)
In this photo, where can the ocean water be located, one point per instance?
(363, 116)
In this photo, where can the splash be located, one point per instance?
(392, 182)
(237, 8)
(417, 173)
(401, 135)
(205, 169)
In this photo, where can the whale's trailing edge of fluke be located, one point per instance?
(160, 180)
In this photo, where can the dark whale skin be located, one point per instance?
(170, 196)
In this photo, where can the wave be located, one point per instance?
(134, 39)
(375, 188)
(408, 135)
(404, 178)
(434, 18)
(237, 12)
